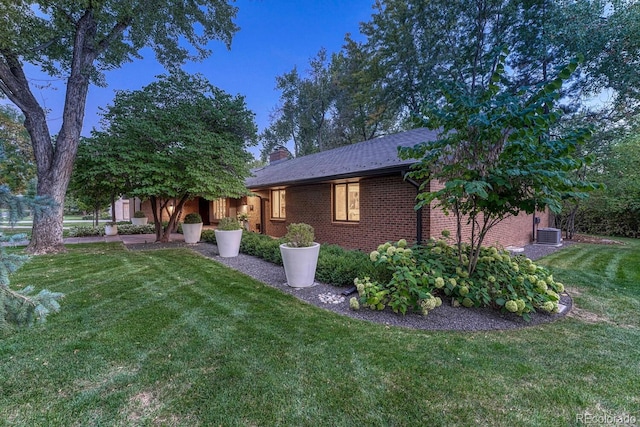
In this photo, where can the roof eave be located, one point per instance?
(401, 168)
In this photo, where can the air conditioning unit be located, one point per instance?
(549, 236)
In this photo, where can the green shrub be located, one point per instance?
(139, 214)
(299, 235)
(192, 218)
(340, 267)
(229, 224)
(208, 236)
(123, 228)
(419, 275)
(128, 228)
(85, 231)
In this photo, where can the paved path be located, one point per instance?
(128, 239)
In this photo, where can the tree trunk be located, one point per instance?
(46, 236)
(55, 162)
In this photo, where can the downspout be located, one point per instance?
(418, 212)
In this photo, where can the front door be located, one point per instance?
(204, 209)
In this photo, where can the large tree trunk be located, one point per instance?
(55, 163)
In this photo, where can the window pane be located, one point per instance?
(283, 204)
(340, 199)
(275, 204)
(354, 202)
(219, 208)
(278, 204)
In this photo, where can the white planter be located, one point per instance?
(139, 221)
(191, 232)
(300, 264)
(228, 242)
(110, 230)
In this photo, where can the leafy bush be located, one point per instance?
(228, 224)
(139, 214)
(124, 227)
(421, 274)
(208, 236)
(339, 266)
(336, 265)
(192, 218)
(299, 235)
(103, 215)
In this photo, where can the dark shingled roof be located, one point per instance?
(375, 156)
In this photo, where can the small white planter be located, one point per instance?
(228, 242)
(300, 264)
(110, 230)
(139, 221)
(191, 232)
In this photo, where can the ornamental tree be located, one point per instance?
(497, 155)
(173, 140)
(94, 182)
(76, 41)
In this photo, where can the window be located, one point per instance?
(346, 202)
(278, 204)
(219, 208)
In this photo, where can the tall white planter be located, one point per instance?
(191, 232)
(139, 221)
(110, 230)
(300, 264)
(228, 242)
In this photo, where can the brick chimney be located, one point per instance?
(279, 154)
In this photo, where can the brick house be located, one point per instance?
(356, 197)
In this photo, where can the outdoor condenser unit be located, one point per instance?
(549, 236)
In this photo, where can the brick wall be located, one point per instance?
(512, 231)
(386, 213)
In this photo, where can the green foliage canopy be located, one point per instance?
(175, 139)
(497, 155)
(17, 165)
(77, 41)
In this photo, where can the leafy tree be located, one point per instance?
(302, 116)
(616, 210)
(361, 111)
(94, 182)
(173, 140)
(19, 307)
(496, 156)
(338, 102)
(17, 165)
(77, 41)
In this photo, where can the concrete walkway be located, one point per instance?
(127, 239)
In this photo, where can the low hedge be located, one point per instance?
(124, 227)
(336, 265)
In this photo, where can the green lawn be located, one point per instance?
(171, 338)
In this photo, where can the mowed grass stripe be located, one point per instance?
(190, 342)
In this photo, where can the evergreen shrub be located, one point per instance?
(192, 218)
(124, 227)
(339, 267)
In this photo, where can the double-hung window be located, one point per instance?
(278, 204)
(346, 202)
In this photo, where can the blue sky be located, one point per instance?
(274, 37)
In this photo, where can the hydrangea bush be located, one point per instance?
(420, 276)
